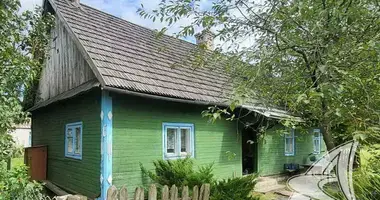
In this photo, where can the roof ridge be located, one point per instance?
(119, 18)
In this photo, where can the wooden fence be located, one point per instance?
(202, 193)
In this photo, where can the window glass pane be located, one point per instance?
(171, 134)
(316, 145)
(185, 140)
(77, 140)
(289, 145)
(69, 140)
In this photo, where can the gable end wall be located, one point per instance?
(65, 67)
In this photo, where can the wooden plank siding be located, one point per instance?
(271, 154)
(137, 138)
(48, 128)
(65, 66)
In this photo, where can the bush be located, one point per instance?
(178, 172)
(15, 184)
(239, 188)
(366, 178)
(181, 172)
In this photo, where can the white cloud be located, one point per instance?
(29, 4)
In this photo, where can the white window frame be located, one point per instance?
(289, 136)
(177, 154)
(73, 126)
(317, 140)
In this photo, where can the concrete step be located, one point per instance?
(284, 192)
(269, 188)
(267, 184)
(266, 181)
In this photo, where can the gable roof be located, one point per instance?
(130, 57)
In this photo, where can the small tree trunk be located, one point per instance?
(9, 160)
(327, 137)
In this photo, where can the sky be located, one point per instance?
(126, 9)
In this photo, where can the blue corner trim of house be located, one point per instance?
(106, 144)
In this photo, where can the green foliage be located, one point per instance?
(15, 184)
(367, 177)
(178, 172)
(181, 173)
(6, 146)
(239, 188)
(23, 41)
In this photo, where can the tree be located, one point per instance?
(318, 59)
(23, 43)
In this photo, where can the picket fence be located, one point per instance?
(202, 193)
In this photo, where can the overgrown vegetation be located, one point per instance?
(23, 45)
(181, 172)
(15, 184)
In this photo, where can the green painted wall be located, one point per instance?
(271, 151)
(48, 128)
(137, 137)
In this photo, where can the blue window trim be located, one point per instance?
(74, 125)
(319, 141)
(166, 125)
(294, 144)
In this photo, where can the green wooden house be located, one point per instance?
(109, 99)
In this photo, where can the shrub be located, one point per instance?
(239, 188)
(366, 178)
(15, 184)
(181, 172)
(178, 172)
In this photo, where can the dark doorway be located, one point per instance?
(249, 151)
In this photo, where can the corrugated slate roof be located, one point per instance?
(131, 57)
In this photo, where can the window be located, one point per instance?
(73, 140)
(289, 143)
(178, 140)
(316, 141)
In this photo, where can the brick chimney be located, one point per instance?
(206, 37)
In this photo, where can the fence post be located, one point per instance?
(206, 192)
(123, 193)
(185, 193)
(173, 193)
(142, 194)
(152, 192)
(195, 193)
(165, 193)
(138, 194)
(201, 191)
(112, 193)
